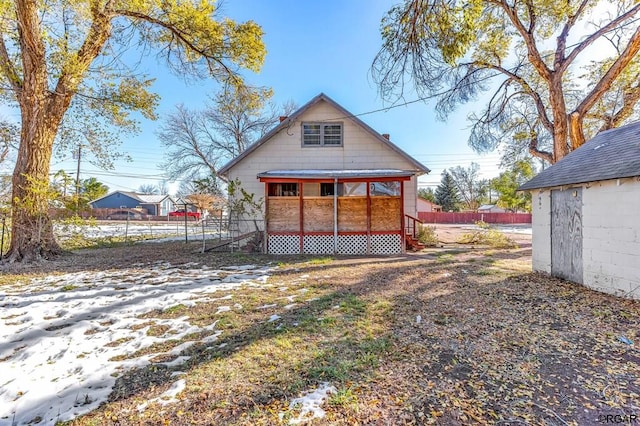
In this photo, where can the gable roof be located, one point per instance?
(152, 198)
(142, 198)
(611, 154)
(293, 117)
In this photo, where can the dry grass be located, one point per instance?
(442, 337)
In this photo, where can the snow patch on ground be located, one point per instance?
(310, 404)
(61, 337)
(167, 397)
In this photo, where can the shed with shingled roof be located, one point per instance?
(586, 211)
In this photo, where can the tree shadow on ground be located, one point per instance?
(415, 340)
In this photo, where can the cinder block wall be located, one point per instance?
(610, 232)
(541, 231)
(611, 236)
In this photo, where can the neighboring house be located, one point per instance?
(156, 205)
(585, 214)
(181, 204)
(426, 206)
(490, 208)
(330, 184)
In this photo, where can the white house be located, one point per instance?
(586, 221)
(330, 183)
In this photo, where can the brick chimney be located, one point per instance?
(386, 136)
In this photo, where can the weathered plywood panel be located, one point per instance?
(283, 214)
(318, 214)
(566, 234)
(352, 214)
(386, 214)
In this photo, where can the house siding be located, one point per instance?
(115, 201)
(611, 235)
(360, 150)
(426, 206)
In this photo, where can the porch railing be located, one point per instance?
(411, 225)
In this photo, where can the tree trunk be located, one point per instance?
(576, 131)
(32, 235)
(560, 122)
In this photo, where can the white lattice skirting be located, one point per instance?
(347, 244)
(352, 244)
(318, 244)
(386, 244)
(284, 244)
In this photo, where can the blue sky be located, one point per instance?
(312, 47)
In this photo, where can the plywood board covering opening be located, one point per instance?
(385, 214)
(283, 214)
(318, 214)
(352, 214)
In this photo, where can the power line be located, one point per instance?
(480, 80)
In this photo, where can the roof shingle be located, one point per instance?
(611, 154)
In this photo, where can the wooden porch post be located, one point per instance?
(368, 183)
(335, 215)
(402, 218)
(266, 217)
(301, 217)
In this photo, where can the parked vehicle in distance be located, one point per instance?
(124, 215)
(182, 213)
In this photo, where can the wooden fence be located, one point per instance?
(470, 217)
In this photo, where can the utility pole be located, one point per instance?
(78, 179)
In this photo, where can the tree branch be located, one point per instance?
(181, 36)
(562, 38)
(605, 83)
(533, 149)
(593, 37)
(73, 71)
(8, 68)
(537, 99)
(528, 38)
(629, 101)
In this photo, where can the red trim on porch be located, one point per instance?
(369, 217)
(301, 206)
(266, 215)
(315, 180)
(402, 211)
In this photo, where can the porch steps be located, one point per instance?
(412, 243)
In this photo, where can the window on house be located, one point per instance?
(283, 189)
(321, 134)
(327, 189)
(318, 189)
(384, 189)
(355, 189)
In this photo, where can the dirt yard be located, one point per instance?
(447, 336)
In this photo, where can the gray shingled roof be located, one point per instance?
(611, 154)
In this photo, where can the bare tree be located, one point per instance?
(149, 189)
(471, 188)
(198, 141)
